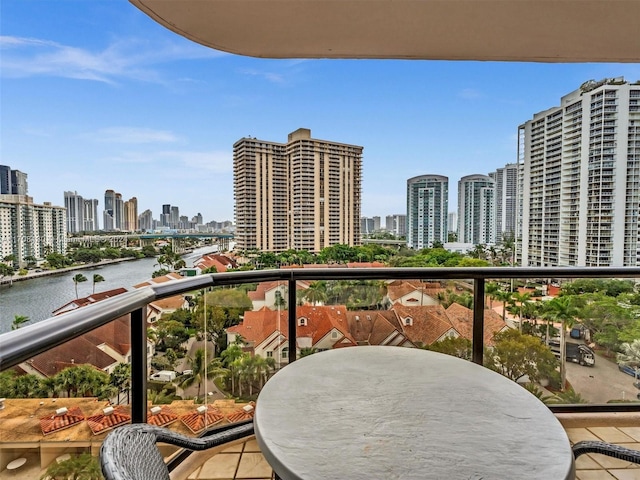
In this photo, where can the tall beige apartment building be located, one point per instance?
(304, 194)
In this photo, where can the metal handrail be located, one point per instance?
(19, 345)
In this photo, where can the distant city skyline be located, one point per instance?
(96, 95)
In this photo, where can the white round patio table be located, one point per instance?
(362, 413)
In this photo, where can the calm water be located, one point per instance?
(38, 297)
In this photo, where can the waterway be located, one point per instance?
(37, 298)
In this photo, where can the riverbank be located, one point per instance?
(31, 274)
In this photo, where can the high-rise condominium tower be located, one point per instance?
(581, 178)
(91, 219)
(304, 194)
(476, 210)
(74, 204)
(30, 230)
(12, 182)
(130, 210)
(506, 180)
(109, 210)
(427, 208)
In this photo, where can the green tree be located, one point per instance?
(630, 355)
(515, 354)
(78, 278)
(18, 320)
(97, 278)
(520, 301)
(120, 378)
(201, 370)
(490, 290)
(78, 467)
(563, 310)
(504, 297)
(568, 396)
(316, 294)
(456, 346)
(31, 261)
(306, 351)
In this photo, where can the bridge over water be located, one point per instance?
(176, 239)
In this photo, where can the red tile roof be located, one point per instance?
(398, 289)
(462, 319)
(221, 262)
(102, 422)
(162, 279)
(258, 325)
(429, 322)
(54, 423)
(375, 327)
(196, 421)
(244, 413)
(93, 298)
(162, 418)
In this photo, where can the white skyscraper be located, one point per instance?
(506, 200)
(74, 204)
(476, 210)
(427, 210)
(581, 178)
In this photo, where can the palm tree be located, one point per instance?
(490, 289)
(121, 379)
(78, 278)
(97, 278)
(504, 297)
(316, 294)
(520, 301)
(18, 320)
(630, 355)
(83, 466)
(563, 310)
(201, 371)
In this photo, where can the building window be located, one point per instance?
(269, 354)
(285, 352)
(302, 322)
(334, 334)
(408, 321)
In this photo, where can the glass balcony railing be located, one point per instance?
(457, 310)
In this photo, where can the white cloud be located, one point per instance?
(470, 94)
(123, 59)
(269, 76)
(133, 135)
(178, 163)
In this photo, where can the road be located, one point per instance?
(602, 382)
(183, 364)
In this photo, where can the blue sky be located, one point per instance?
(96, 95)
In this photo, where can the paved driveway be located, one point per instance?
(602, 382)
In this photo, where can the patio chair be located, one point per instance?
(608, 449)
(130, 451)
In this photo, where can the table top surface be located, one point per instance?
(394, 412)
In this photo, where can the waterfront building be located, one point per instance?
(506, 181)
(427, 210)
(118, 219)
(91, 219)
(131, 215)
(304, 194)
(476, 210)
(74, 204)
(28, 229)
(581, 178)
(109, 210)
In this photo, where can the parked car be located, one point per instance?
(637, 385)
(628, 369)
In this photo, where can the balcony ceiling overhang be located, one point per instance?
(507, 30)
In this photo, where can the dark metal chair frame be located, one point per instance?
(130, 451)
(608, 449)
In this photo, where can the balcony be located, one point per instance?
(615, 422)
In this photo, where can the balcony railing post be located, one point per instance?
(477, 347)
(139, 365)
(292, 320)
